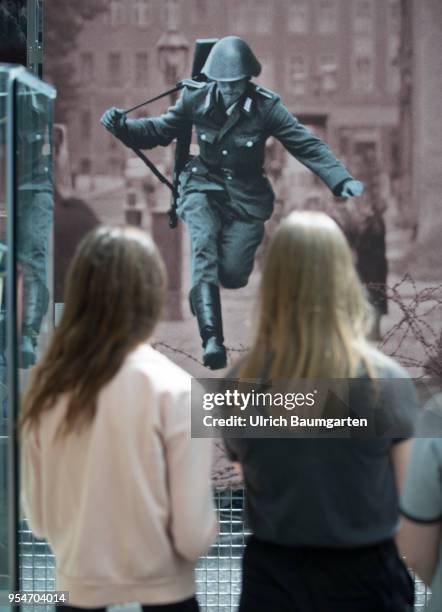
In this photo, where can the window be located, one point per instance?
(344, 142)
(115, 165)
(363, 15)
(363, 74)
(86, 67)
(141, 69)
(116, 12)
(114, 69)
(171, 14)
(266, 78)
(297, 74)
(328, 72)
(393, 47)
(363, 45)
(298, 16)
(261, 14)
(85, 166)
(251, 16)
(394, 16)
(85, 124)
(239, 17)
(327, 16)
(199, 12)
(142, 12)
(363, 64)
(393, 73)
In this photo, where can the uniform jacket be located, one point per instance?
(233, 147)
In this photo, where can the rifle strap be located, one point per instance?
(154, 169)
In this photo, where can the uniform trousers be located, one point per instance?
(35, 211)
(288, 579)
(34, 224)
(223, 241)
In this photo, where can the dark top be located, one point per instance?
(328, 492)
(422, 495)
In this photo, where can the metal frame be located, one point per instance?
(11, 332)
(217, 575)
(15, 76)
(34, 42)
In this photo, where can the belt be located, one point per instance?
(230, 173)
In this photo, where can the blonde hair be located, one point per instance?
(113, 299)
(313, 315)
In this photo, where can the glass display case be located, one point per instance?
(26, 219)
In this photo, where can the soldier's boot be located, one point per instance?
(35, 304)
(205, 303)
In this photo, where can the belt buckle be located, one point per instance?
(227, 173)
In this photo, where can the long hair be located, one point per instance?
(113, 299)
(312, 313)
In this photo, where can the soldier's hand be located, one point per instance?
(352, 189)
(113, 119)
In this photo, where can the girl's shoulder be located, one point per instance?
(383, 365)
(157, 368)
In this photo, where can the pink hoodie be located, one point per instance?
(125, 504)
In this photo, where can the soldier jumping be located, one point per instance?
(224, 195)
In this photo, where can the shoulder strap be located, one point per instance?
(267, 93)
(191, 84)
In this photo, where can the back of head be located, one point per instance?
(231, 59)
(313, 313)
(114, 294)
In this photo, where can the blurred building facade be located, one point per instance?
(334, 62)
(421, 126)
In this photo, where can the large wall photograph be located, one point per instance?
(357, 73)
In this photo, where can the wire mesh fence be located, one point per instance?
(218, 574)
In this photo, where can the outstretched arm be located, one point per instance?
(148, 133)
(311, 151)
(351, 188)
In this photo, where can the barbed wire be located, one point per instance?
(414, 330)
(414, 340)
(176, 350)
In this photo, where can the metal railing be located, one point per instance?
(218, 574)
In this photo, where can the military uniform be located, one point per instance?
(225, 196)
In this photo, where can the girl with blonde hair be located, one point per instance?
(110, 476)
(323, 511)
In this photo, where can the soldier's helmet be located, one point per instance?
(231, 59)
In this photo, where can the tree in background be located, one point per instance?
(63, 22)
